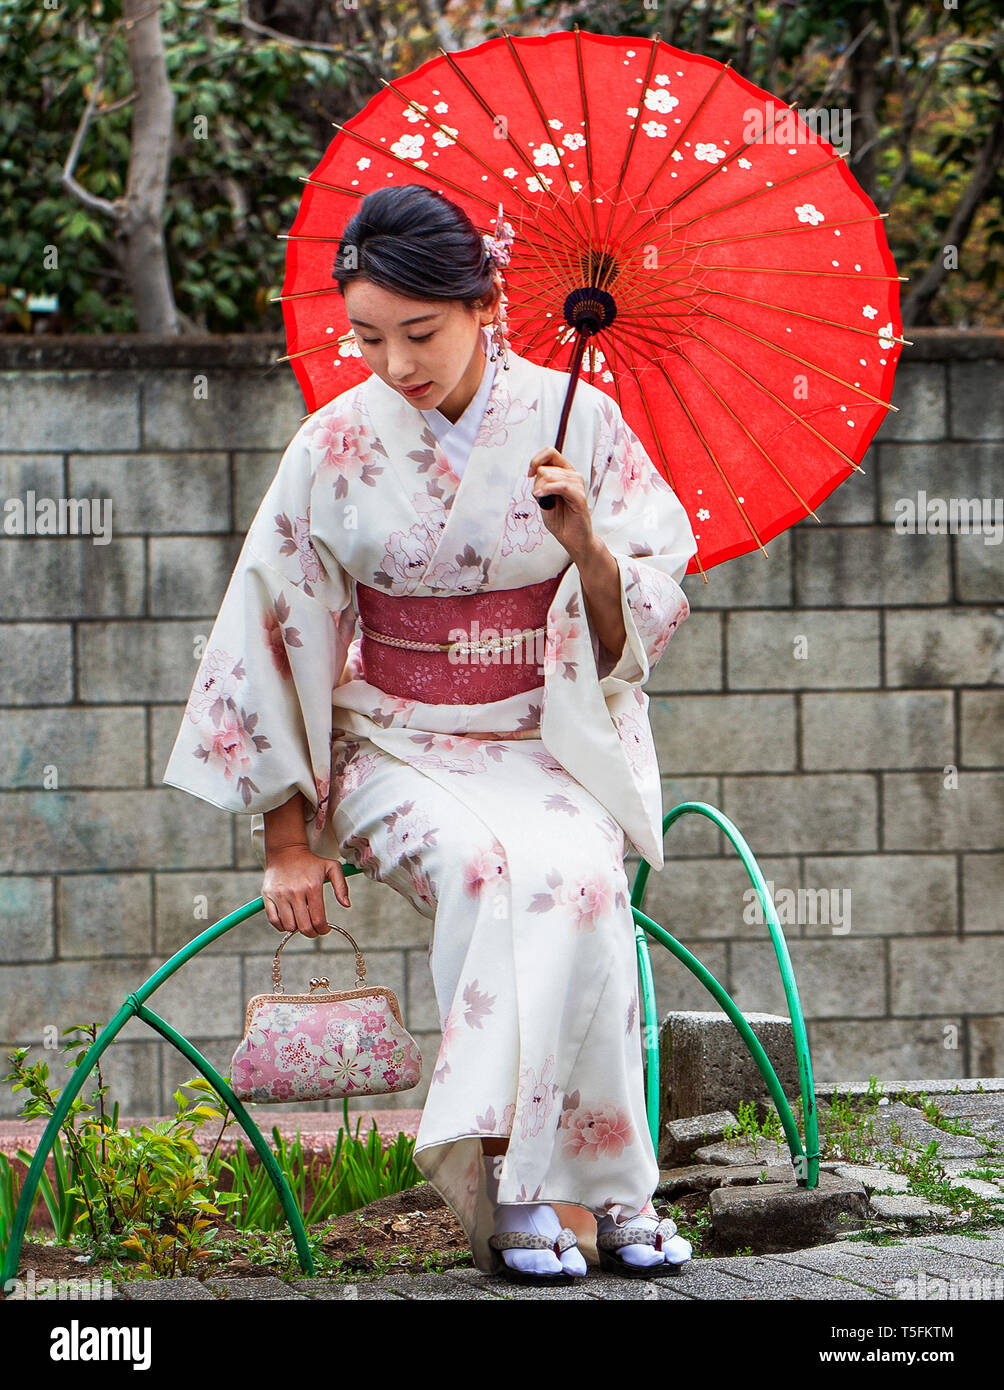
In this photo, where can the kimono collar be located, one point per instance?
(462, 432)
(465, 517)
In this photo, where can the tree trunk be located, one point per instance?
(142, 230)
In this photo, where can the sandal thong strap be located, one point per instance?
(528, 1240)
(635, 1234)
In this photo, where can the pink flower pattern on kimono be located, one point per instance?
(484, 868)
(278, 637)
(657, 615)
(635, 476)
(451, 1026)
(524, 526)
(455, 752)
(405, 559)
(230, 745)
(563, 630)
(215, 685)
(504, 1126)
(297, 541)
(634, 733)
(586, 900)
(536, 1096)
(423, 891)
(348, 450)
(391, 710)
(590, 1134)
(322, 793)
(409, 830)
(358, 851)
(479, 1004)
(351, 768)
(466, 572)
(500, 417)
(472, 1008)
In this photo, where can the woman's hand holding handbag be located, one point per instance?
(324, 1046)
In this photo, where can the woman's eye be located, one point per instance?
(412, 340)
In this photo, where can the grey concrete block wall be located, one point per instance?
(841, 701)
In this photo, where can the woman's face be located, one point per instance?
(411, 342)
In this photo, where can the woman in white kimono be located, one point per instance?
(497, 795)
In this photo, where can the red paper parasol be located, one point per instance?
(683, 241)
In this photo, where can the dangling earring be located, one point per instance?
(499, 340)
(498, 246)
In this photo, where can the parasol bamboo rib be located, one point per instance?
(606, 261)
(590, 179)
(680, 247)
(672, 148)
(753, 440)
(714, 459)
(798, 313)
(492, 205)
(765, 190)
(493, 115)
(778, 400)
(456, 139)
(543, 121)
(649, 305)
(729, 323)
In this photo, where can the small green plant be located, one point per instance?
(144, 1195)
(149, 1197)
(750, 1129)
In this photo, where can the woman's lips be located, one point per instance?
(417, 390)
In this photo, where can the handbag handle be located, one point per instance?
(360, 963)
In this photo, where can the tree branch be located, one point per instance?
(113, 210)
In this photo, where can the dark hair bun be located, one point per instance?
(413, 241)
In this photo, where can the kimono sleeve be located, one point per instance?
(645, 526)
(257, 726)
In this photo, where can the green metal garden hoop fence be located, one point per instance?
(804, 1159)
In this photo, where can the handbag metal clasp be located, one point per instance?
(316, 982)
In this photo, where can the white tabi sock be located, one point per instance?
(537, 1218)
(675, 1250)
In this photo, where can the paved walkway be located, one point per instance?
(936, 1267)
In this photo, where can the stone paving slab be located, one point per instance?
(266, 1286)
(841, 1271)
(989, 1248)
(919, 1133)
(143, 1290)
(886, 1268)
(771, 1278)
(330, 1289)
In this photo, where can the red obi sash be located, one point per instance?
(461, 677)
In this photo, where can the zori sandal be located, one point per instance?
(525, 1240)
(663, 1237)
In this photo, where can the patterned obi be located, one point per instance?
(498, 642)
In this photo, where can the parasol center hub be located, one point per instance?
(590, 309)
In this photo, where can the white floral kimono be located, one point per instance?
(506, 821)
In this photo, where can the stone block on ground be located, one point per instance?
(874, 1179)
(902, 1206)
(681, 1137)
(766, 1151)
(774, 1217)
(696, 1177)
(705, 1066)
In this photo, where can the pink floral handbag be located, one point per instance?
(324, 1046)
